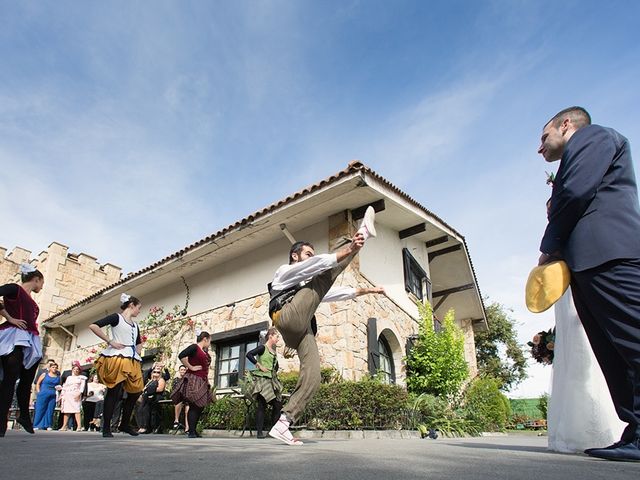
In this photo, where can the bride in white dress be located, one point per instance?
(580, 413)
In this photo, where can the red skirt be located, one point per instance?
(193, 390)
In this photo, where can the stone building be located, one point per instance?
(218, 283)
(69, 278)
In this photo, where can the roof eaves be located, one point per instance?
(353, 167)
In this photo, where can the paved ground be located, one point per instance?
(88, 456)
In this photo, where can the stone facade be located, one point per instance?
(342, 326)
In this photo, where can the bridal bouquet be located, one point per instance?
(542, 346)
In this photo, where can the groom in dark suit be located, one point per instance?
(594, 225)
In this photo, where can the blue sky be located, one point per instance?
(131, 129)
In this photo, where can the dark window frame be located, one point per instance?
(241, 341)
(387, 353)
(416, 280)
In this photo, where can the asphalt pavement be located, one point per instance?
(85, 455)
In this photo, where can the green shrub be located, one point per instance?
(431, 412)
(348, 405)
(436, 363)
(225, 413)
(289, 379)
(485, 405)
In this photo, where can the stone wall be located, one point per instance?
(68, 278)
(342, 326)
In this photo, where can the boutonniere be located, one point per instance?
(551, 178)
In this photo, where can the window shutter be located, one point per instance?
(406, 263)
(373, 354)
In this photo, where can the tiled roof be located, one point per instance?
(352, 168)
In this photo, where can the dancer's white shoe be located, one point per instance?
(281, 431)
(367, 226)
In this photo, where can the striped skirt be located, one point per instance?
(193, 390)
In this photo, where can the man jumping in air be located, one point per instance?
(296, 292)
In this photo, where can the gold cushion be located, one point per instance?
(546, 284)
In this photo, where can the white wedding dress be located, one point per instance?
(580, 413)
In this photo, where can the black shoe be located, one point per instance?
(107, 434)
(26, 424)
(260, 435)
(629, 452)
(619, 443)
(129, 430)
(192, 435)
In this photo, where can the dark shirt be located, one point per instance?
(256, 352)
(197, 356)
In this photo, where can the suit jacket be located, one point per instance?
(594, 216)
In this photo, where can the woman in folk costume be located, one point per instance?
(20, 346)
(267, 388)
(119, 366)
(194, 389)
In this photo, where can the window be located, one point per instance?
(416, 280)
(232, 361)
(386, 371)
(437, 324)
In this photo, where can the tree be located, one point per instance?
(543, 404)
(436, 363)
(510, 367)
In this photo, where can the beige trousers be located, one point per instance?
(294, 325)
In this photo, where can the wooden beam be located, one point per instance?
(408, 232)
(437, 241)
(477, 320)
(440, 302)
(239, 332)
(444, 251)
(358, 213)
(449, 291)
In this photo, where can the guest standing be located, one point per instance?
(71, 396)
(46, 395)
(92, 404)
(177, 409)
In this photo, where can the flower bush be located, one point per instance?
(161, 329)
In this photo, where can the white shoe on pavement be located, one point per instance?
(281, 431)
(367, 226)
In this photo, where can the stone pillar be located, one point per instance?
(469, 346)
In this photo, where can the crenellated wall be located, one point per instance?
(68, 278)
